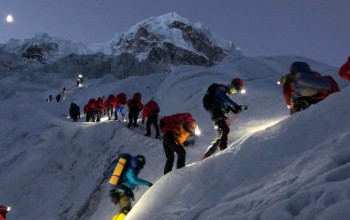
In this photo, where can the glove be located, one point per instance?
(150, 184)
(114, 197)
(235, 109)
(189, 143)
(238, 108)
(244, 107)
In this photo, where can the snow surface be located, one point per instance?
(276, 167)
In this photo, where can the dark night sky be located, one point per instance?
(318, 29)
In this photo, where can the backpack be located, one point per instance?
(121, 98)
(168, 123)
(309, 84)
(137, 96)
(120, 166)
(209, 97)
(75, 108)
(92, 104)
(153, 107)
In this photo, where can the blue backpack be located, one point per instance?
(127, 164)
(209, 97)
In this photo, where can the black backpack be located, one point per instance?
(209, 97)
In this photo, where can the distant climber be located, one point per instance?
(49, 99)
(217, 101)
(74, 112)
(110, 105)
(120, 106)
(100, 109)
(58, 97)
(151, 111)
(90, 110)
(135, 106)
(80, 80)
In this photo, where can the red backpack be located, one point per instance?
(153, 107)
(92, 104)
(170, 123)
(121, 98)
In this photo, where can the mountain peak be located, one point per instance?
(171, 40)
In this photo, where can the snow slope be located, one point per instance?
(277, 166)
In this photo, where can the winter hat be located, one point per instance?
(189, 126)
(3, 209)
(300, 67)
(138, 162)
(237, 83)
(137, 96)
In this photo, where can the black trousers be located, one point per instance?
(302, 103)
(152, 119)
(75, 116)
(220, 141)
(98, 115)
(133, 115)
(90, 116)
(170, 146)
(109, 112)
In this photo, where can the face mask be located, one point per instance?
(232, 90)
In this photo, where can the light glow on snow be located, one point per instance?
(264, 125)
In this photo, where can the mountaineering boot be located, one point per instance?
(147, 135)
(129, 125)
(119, 216)
(136, 125)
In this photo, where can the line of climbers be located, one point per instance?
(301, 87)
(60, 95)
(178, 130)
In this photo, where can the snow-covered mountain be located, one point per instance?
(170, 39)
(44, 48)
(153, 45)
